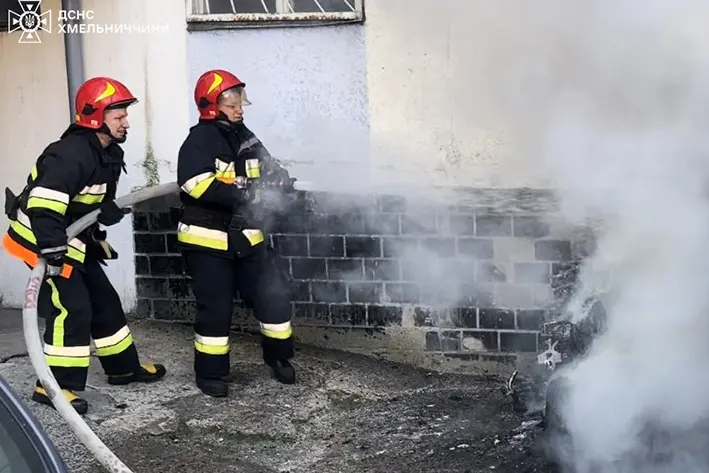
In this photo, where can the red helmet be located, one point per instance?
(210, 86)
(95, 96)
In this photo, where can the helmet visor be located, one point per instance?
(234, 97)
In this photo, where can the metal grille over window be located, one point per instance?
(235, 11)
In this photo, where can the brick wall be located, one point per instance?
(476, 279)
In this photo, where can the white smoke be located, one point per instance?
(613, 95)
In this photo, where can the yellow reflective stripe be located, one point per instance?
(41, 197)
(228, 177)
(88, 199)
(254, 236)
(76, 249)
(34, 172)
(253, 170)
(91, 194)
(200, 236)
(278, 331)
(198, 185)
(58, 328)
(68, 361)
(114, 344)
(211, 345)
(40, 203)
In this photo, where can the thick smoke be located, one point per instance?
(613, 96)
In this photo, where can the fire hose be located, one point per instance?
(33, 340)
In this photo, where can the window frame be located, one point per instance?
(27, 432)
(217, 21)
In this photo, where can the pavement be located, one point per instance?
(347, 413)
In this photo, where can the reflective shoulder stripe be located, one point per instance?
(253, 168)
(198, 185)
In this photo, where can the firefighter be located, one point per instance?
(220, 167)
(72, 177)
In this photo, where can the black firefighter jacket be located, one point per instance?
(213, 155)
(71, 178)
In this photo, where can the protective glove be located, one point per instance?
(54, 258)
(242, 191)
(111, 214)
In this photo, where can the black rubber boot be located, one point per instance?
(283, 371)
(80, 405)
(148, 373)
(213, 387)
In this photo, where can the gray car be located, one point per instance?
(24, 445)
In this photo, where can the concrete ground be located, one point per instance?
(348, 413)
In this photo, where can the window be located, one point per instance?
(211, 14)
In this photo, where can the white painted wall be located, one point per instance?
(35, 112)
(152, 66)
(309, 92)
(433, 70)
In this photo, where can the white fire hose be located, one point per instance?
(33, 340)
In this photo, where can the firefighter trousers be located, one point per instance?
(77, 309)
(216, 281)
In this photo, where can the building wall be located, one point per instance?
(309, 92)
(35, 111)
(437, 95)
(33, 81)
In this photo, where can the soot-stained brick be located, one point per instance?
(530, 227)
(365, 292)
(493, 225)
(329, 291)
(486, 341)
(395, 247)
(392, 204)
(466, 317)
(443, 247)
(327, 246)
(433, 341)
(490, 272)
(300, 291)
(418, 225)
(383, 224)
(401, 292)
(530, 319)
(149, 243)
(166, 265)
(309, 268)
(475, 247)
(142, 266)
(363, 247)
(345, 269)
(552, 250)
(150, 287)
(307, 313)
(140, 222)
(180, 288)
(291, 245)
(348, 314)
(462, 224)
(171, 240)
(162, 222)
(518, 342)
(532, 273)
(382, 315)
(381, 269)
(497, 319)
(450, 340)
